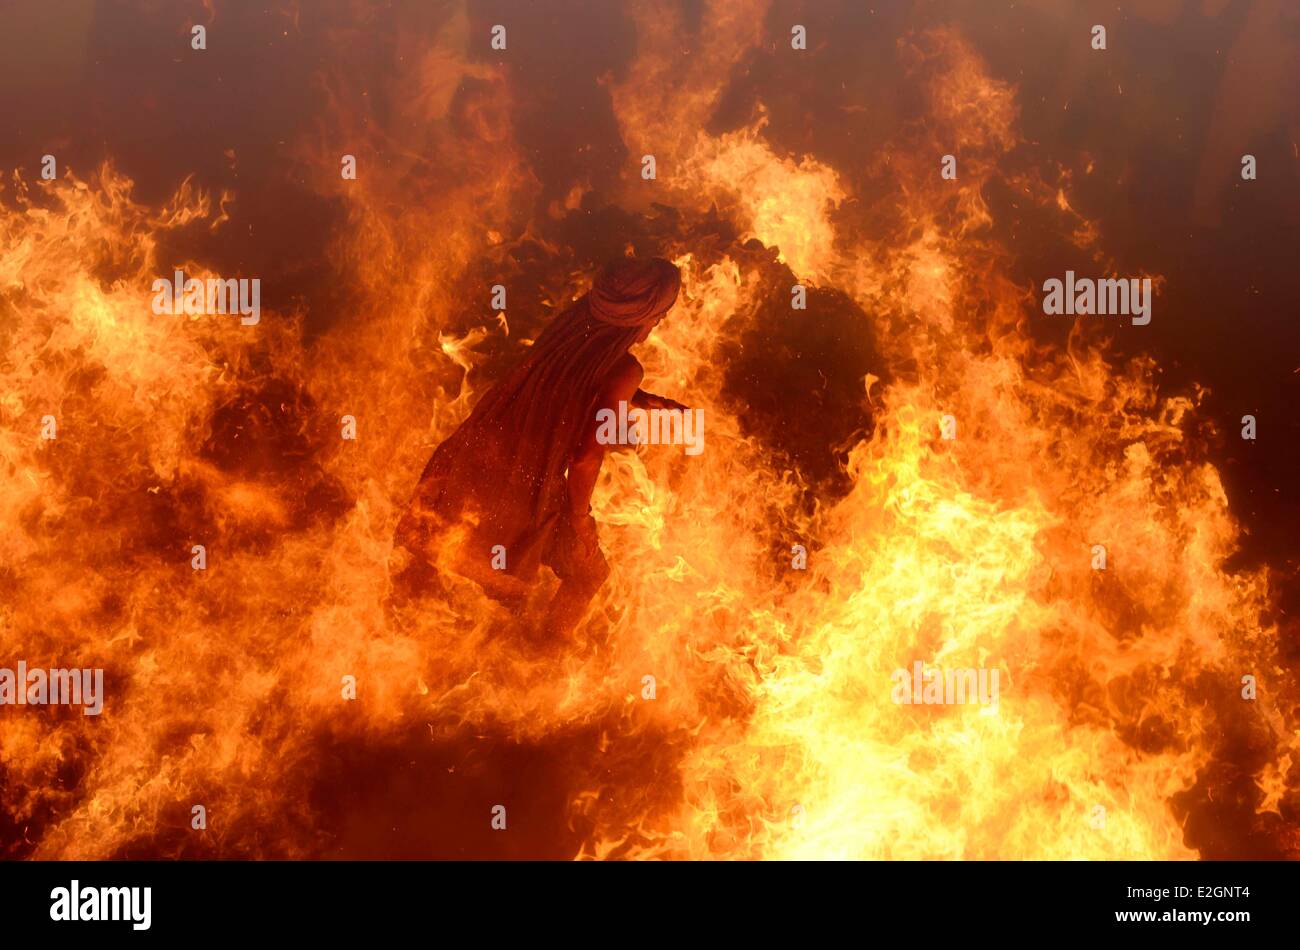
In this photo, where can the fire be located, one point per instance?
(772, 732)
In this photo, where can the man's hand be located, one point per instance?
(645, 400)
(584, 529)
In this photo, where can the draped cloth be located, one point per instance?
(500, 477)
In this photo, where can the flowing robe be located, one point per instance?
(499, 479)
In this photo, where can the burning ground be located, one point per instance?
(772, 733)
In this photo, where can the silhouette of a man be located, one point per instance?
(519, 472)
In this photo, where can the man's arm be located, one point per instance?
(584, 467)
(644, 400)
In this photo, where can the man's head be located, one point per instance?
(635, 293)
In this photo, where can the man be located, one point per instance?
(520, 471)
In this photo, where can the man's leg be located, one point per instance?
(582, 570)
